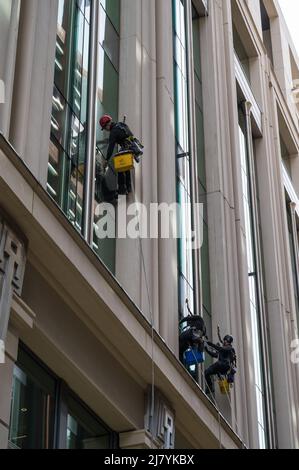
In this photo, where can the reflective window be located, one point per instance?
(201, 170)
(186, 272)
(241, 53)
(41, 405)
(67, 151)
(33, 405)
(68, 143)
(106, 103)
(253, 284)
(292, 242)
(83, 430)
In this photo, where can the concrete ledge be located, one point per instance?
(21, 315)
(136, 440)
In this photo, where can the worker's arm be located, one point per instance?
(210, 351)
(112, 143)
(214, 346)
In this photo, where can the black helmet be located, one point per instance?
(229, 339)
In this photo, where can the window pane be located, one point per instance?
(106, 103)
(112, 8)
(83, 430)
(67, 152)
(33, 405)
(109, 39)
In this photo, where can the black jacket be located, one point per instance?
(118, 134)
(225, 354)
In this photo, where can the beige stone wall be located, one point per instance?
(87, 329)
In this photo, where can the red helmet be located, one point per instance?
(106, 119)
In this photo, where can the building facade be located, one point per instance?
(89, 327)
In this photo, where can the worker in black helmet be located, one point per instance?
(225, 354)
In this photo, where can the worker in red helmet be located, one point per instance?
(121, 135)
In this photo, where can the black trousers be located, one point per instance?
(124, 181)
(217, 368)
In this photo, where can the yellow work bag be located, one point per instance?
(224, 386)
(123, 161)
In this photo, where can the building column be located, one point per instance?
(23, 75)
(137, 101)
(33, 86)
(223, 194)
(243, 409)
(166, 172)
(275, 236)
(8, 48)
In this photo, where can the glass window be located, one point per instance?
(292, 242)
(68, 142)
(83, 430)
(109, 38)
(67, 151)
(37, 397)
(33, 405)
(112, 9)
(106, 103)
(253, 283)
(241, 53)
(185, 255)
(201, 170)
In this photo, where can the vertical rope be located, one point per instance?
(152, 411)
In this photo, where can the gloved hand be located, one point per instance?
(105, 164)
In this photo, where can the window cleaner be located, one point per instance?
(224, 368)
(131, 148)
(191, 339)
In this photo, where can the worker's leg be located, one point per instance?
(122, 189)
(212, 370)
(128, 181)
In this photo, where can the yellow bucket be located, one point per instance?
(224, 386)
(123, 162)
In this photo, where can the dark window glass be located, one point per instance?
(36, 397)
(112, 8)
(67, 152)
(185, 267)
(109, 39)
(33, 405)
(241, 53)
(254, 313)
(83, 430)
(106, 103)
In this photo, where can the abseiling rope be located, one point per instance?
(152, 412)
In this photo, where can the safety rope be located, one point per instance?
(152, 412)
(214, 399)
